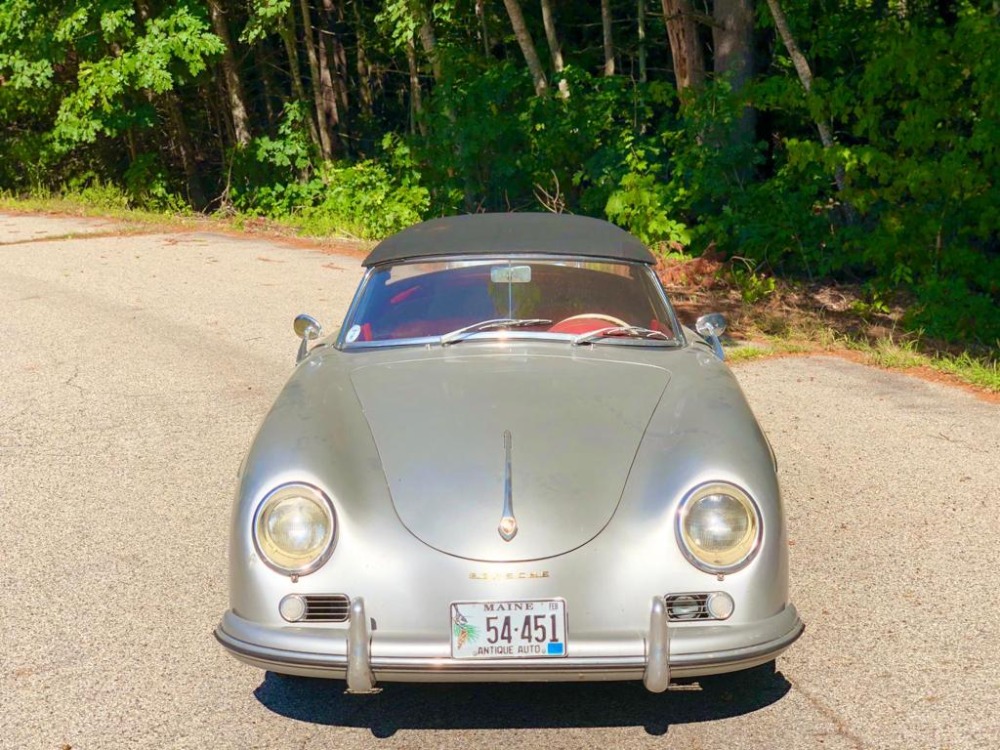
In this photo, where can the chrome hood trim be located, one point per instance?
(439, 425)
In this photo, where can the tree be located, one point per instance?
(685, 47)
(609, 44)
(230, 71)
(527, 46)
(555, 49)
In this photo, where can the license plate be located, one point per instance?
(515, 629)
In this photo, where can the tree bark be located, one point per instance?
(333, 69)
(184, 148)
(416, 95)
(322, 123)
(732, 38)
(800, 63)
(428, 40)
(287, 33)
(230, 71)
(527, 46)
(483, 26)
(805, 77)
(685, 48)
(263, 63)
(363, 68)
(609, 44)
(555, 49)
(641, 24)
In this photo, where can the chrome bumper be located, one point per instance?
(657, 656)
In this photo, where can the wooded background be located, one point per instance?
(853, 140)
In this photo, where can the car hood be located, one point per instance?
(575, 426)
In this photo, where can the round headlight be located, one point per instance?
(294, 528)
(718, 528)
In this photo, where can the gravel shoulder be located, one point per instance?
(135, 372)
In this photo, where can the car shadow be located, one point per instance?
(520, 705)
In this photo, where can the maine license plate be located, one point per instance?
(515, 629)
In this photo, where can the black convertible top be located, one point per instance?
(487, 234)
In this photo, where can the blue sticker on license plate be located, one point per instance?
(556, 649)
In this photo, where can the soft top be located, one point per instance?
(514, 233)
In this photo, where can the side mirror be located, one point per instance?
(308, 329)
(712, 326)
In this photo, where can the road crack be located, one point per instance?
(839, 723)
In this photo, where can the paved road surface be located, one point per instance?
(134, 372)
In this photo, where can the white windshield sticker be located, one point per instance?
(510, 274)
(352, 334)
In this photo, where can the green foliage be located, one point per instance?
(172, 47)
(89, 190)
(148, 186)
(282, 178)
(641, 203)
(753, 285)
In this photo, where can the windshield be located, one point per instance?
(455, 300)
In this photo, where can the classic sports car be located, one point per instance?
(510, 463)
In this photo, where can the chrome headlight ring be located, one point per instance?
(294, 529)
(718, 527)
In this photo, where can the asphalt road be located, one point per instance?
(134, 371)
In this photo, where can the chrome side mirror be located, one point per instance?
(308, 329)
(712, 326)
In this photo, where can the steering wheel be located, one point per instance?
(581, 326)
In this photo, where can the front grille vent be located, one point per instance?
(687, 607)
(327, 608)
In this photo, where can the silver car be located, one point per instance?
(510, 463)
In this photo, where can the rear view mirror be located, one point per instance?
(712, 326)
(308, 329)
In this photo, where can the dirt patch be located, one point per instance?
(812, 317)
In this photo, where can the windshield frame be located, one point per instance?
(678, 341)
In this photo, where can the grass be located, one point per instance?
(982, 371)
(104, 206)
(111, 203)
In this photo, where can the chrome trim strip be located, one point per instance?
(656, 678)
(360, 680)
(508, 524)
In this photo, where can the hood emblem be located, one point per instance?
(508, 524)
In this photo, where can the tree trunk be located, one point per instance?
(416, 95)
(555, 49)
(184, 148)
(685, 48)
(333, 68)
(484, 27)
(805, 77)
(641, 23)
(287, 33)
(322, 124)
(552, 36)
(732, 38)
(363, 68)
(527, 46)
(428, 40)
(230, 71)
(609, 44)
(263, 64)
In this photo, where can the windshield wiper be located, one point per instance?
(632, 332)
(491, 325)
